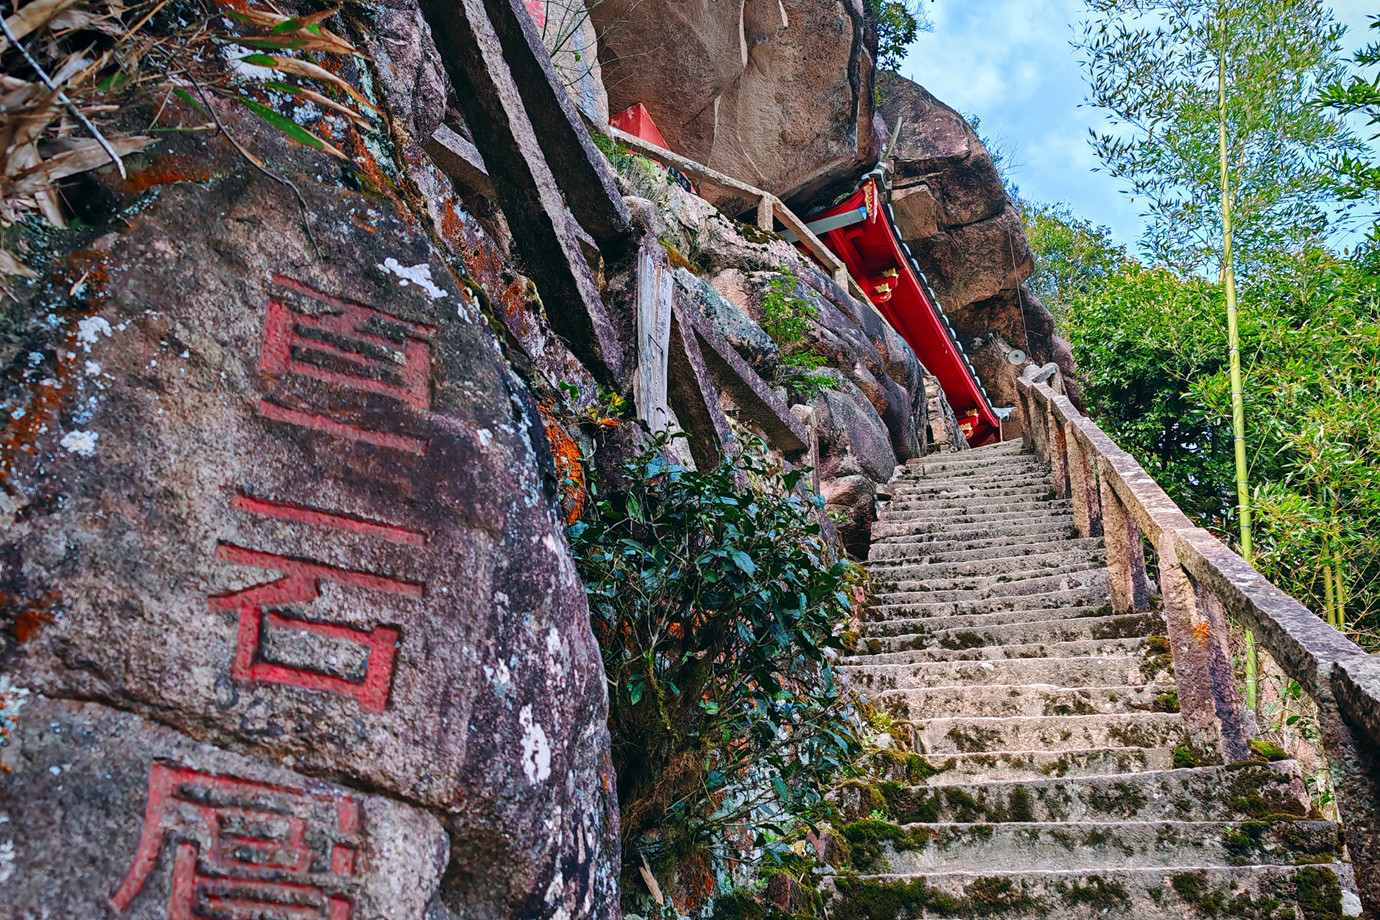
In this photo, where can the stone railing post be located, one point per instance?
(1191, 669)
(1237, 723)
(1353, 755)
(1087, 506)
(1057, 445)
(1125, 553)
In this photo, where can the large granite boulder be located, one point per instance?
(776, 94)
(953, 211)
(281, 494)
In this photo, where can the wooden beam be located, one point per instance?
(655, 290)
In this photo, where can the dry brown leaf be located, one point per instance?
(312, 95)
(299, 68)
(83, 156)
(31, 17)
(322, 39)
(9, 265)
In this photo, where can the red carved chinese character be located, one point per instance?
(246, 849)
(355, 346)
(300, 584)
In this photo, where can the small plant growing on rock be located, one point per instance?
(786, 317)
(715, 599)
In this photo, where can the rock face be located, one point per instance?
(778, 95)
(954, 213)
(282, 495)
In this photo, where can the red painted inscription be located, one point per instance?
(246, 849)
(301, 584)
(354, 346)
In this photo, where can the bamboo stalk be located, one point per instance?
(1238, 410)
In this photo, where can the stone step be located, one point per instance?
(957, 463)
(941, 737)
(1094, 596)
(935, 494)
(997, 477)
(1161, 893)
(1006, 700)
(967, 551)
(996, 575)
(1014, 766)
(969, 512)
(1126, 626)
(888, 571)
(897, 626)
(1103, 648)
(1091, 577)
(1232, 793)
(1129, 670)
(1091, 846)
(967, 533)
(1007, 523)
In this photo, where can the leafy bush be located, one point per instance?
(715, 599)
(898, 23)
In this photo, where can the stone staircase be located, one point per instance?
(1040, 766)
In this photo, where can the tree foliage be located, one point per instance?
(1072, 255)
(898, 23)
(1148, 346)
(715, 600)
(1152, 66)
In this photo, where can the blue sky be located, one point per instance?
(1009, 63)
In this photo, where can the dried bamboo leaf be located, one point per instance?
(31, 17)
(326, 102)
(82, 156)
(310, 71)
(11, 266)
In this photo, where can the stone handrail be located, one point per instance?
(1202, 583)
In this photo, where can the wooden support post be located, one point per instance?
(655, 288)
(765, 220)
(546, 234)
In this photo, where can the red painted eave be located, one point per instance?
(878, 260)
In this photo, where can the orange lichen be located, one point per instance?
(569, 467)
(1202, 632)
(166, 170)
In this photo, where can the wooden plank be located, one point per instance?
(655, 289)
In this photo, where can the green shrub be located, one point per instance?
(714, 599)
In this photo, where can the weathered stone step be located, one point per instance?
(1136, 671)
(996, 575)
(1125, 626)
(979, 482)
(1231, 793)
(1015, 766)
(978, 503)
(892, 572)
(1092, 846)
(1092, 578)
(1106, 648)
(940, 737)
(905, 493)
(1092, 596)
(921, 525)
(898, 626)
(1006, 700)
(970, 532)
(965, 551)
(1161, 893)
